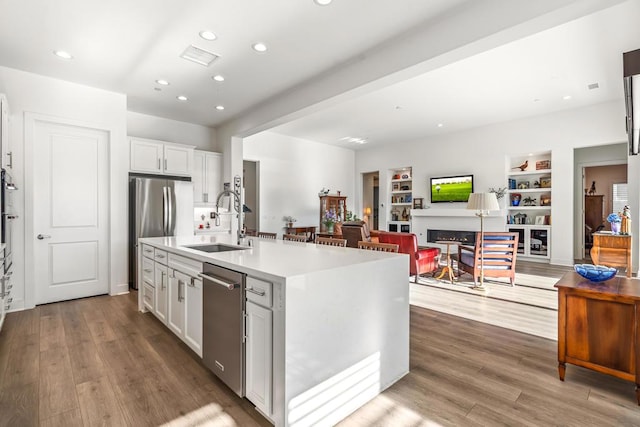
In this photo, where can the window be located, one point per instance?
(619, 197)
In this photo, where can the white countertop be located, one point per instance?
(278, 259)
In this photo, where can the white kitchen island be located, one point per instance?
(339, 332)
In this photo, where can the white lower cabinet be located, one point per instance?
(193, 318)
(176, 313)
(258, 346)
(161, 278)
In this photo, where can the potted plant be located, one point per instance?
(330, 218)
(615, 220)
(289, 220)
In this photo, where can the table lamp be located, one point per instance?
(482, 203)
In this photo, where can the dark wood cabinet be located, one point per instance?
(598, 326)
(593, 211)
(338, 204)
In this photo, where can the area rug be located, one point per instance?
(531, 290)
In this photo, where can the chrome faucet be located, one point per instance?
(236, 196)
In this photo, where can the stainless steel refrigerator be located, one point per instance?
(158, 206)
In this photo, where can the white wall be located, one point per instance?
(482, 152)
(152, 127)
(32, 93)
(292, 172)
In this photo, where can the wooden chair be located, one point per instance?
(500, 250)
(251, 233)
(265, 235)
(329, 241)
(295, 237)
(381, 247)
(354, 232)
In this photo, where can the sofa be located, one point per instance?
(500, 253)
(421, 261)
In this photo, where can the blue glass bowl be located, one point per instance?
(595, 273)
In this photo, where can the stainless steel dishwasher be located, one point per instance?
(223, 324)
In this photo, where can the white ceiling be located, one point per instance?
(124, 46)
(527, 77)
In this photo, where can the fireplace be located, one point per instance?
(464, 237)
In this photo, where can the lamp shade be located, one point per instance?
(483, 202)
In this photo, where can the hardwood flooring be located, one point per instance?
(98, 361)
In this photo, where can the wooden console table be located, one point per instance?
(612, 250)
(598, 326)
(309, 231)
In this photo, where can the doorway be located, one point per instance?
(250, 179)
(370, 198)
(605, 193)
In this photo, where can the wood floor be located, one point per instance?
(98, 361)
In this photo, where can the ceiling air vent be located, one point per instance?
(593, 86)
(199, 56)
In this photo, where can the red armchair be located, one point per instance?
(421, 261)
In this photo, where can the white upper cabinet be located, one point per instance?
(157, 157)
(207, 177)
(6, 156)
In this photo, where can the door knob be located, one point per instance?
(43, 236)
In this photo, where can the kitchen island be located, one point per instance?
(333, 335)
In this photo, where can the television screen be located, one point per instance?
(451, 188)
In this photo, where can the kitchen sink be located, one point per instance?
(216, 247)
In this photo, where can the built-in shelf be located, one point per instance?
(531, 190)
(531, 172)
(529, 208)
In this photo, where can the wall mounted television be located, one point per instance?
(447, 189)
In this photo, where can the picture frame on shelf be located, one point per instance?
(545, 200)
(545, 182)
(543, 164)
(540, 220)
(395, 186)
(418, 203)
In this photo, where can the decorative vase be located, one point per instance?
(330, 228)
(290, 225)
(615, 227)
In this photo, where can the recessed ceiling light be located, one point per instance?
(322, 2)
(162, 82)
(566, 97)
(63, 54)
(440, 125)
(220, 107)
(208, 35)
(218, 78)
(259, 47)
(182, 98)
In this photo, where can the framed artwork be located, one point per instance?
(545, 182)
(417, 203)
(540, 220)
(543, 164)
(395, 186)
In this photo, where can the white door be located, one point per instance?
(258, 380)
(70, 211)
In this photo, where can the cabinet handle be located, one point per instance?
(205, 197)
(146, 270)
(165, 164)
(158, 164)
(191, 283)
(259, 292)
(180, 291)
(10, 155)
(160, 256)
(162, 286)
(148, 251)
(10, 300)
